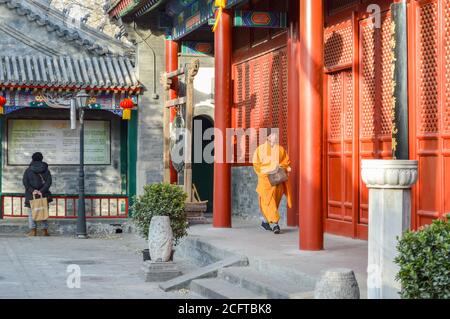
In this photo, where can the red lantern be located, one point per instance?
(2, 104)
(127, 104)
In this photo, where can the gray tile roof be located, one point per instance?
(52, 20)
(111, 73)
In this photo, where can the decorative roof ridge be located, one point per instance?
(66, 31)
(69, 71)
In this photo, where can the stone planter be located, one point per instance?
(389, 183)
(160, 239)
(337, 284)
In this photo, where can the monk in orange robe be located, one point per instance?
(266, 159)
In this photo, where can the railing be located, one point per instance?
(65, 206)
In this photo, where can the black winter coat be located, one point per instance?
(37, 177)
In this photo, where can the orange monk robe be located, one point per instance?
(265, 160)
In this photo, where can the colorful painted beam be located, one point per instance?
(196, 14)
(260, 19)
(197, 48)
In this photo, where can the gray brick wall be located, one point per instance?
(150, 127)
(244, 196)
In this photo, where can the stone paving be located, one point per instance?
(110, 268)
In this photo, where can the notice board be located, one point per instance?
(57, 142)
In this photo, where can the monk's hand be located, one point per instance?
(289, 169)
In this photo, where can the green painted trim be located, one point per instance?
(123, 155)
(132, 158)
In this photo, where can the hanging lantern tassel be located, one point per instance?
(221, 4)
(127, 104)
(126, 115)
(2, 104)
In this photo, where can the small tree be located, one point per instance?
(424, 260)
(161, 200)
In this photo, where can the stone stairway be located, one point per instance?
(251, 283)
(223, 274)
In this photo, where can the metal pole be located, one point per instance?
(81, 214)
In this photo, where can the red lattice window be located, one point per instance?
(376, 79)
(446, 123)
(428, 64)
(260, 96)
(339, 44)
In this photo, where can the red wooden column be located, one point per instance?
(293, 113)
(222, 120)
(172, 65)
(311, 91)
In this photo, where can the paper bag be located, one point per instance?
(39, 208)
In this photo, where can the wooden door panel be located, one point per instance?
(375, 98)
(340, 155)
(431, 96)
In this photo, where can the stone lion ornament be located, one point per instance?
(160, 239)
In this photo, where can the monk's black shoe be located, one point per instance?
(276, 229)
(266, 226)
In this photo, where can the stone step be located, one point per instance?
(268, 286)
(203, 272)
(220, 289)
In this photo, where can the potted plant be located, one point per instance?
(424, 261)
(161, 200)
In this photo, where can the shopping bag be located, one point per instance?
(39, 208)
(278, 176)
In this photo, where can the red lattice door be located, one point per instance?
(340, 203)
(259, 99)
(375, 99)
(430, 116)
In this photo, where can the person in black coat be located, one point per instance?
(37, 180)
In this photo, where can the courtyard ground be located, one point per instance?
(110, 268)
(110, 265)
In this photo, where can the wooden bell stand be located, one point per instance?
(195, 207)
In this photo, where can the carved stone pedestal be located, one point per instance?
(160, 271)
(389, 183)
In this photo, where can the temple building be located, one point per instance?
(342, 80)
(47, 59)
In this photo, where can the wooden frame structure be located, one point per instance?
(195, 208)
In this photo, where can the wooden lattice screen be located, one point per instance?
(260, 95)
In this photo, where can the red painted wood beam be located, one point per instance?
(222, 120)
(172, 65)
(311, 103)
(293, 113)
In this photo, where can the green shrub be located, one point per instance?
(424, 260)
(161, 200)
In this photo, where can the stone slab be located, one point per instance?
(267, 285)
(160, 271)
(204, 272)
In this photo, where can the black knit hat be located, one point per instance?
(37, 157)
